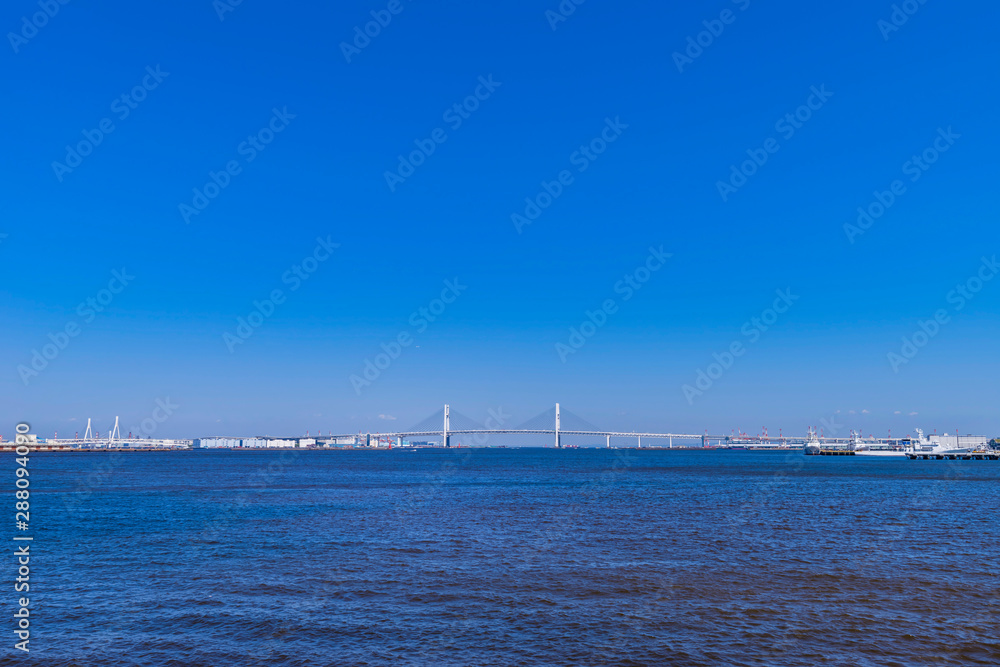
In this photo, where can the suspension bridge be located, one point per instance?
(556, 422)
(453, 428)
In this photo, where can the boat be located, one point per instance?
(948, 445)
(812, 447)
(935, 445)
(862, 448)
(881, 450)
(740, 441)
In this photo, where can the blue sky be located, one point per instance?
(887, 95)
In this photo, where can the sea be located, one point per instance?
(496, 556)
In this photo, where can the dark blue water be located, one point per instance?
(511, 557)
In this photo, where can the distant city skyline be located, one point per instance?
(839, 424)
(661, 217)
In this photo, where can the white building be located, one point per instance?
(216, 442)
(225, 442)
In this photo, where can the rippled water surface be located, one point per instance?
(511, 557)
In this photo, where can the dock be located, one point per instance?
(913, 456)
(972, 456)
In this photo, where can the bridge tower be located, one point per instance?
(445, 439)
(87, 435)
(115, 433)
(558, 444)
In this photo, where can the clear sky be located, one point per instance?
(290, 123)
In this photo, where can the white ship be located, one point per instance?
(812, 447)
(944, 445)
(862, 448)
(948, 444)
(932, 445)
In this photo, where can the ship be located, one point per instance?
(937, 445)
(812, 447)
(948, 444)
(862, 448)
(741, 441)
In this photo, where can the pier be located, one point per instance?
(972, 456)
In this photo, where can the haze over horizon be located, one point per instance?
(589, 219)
